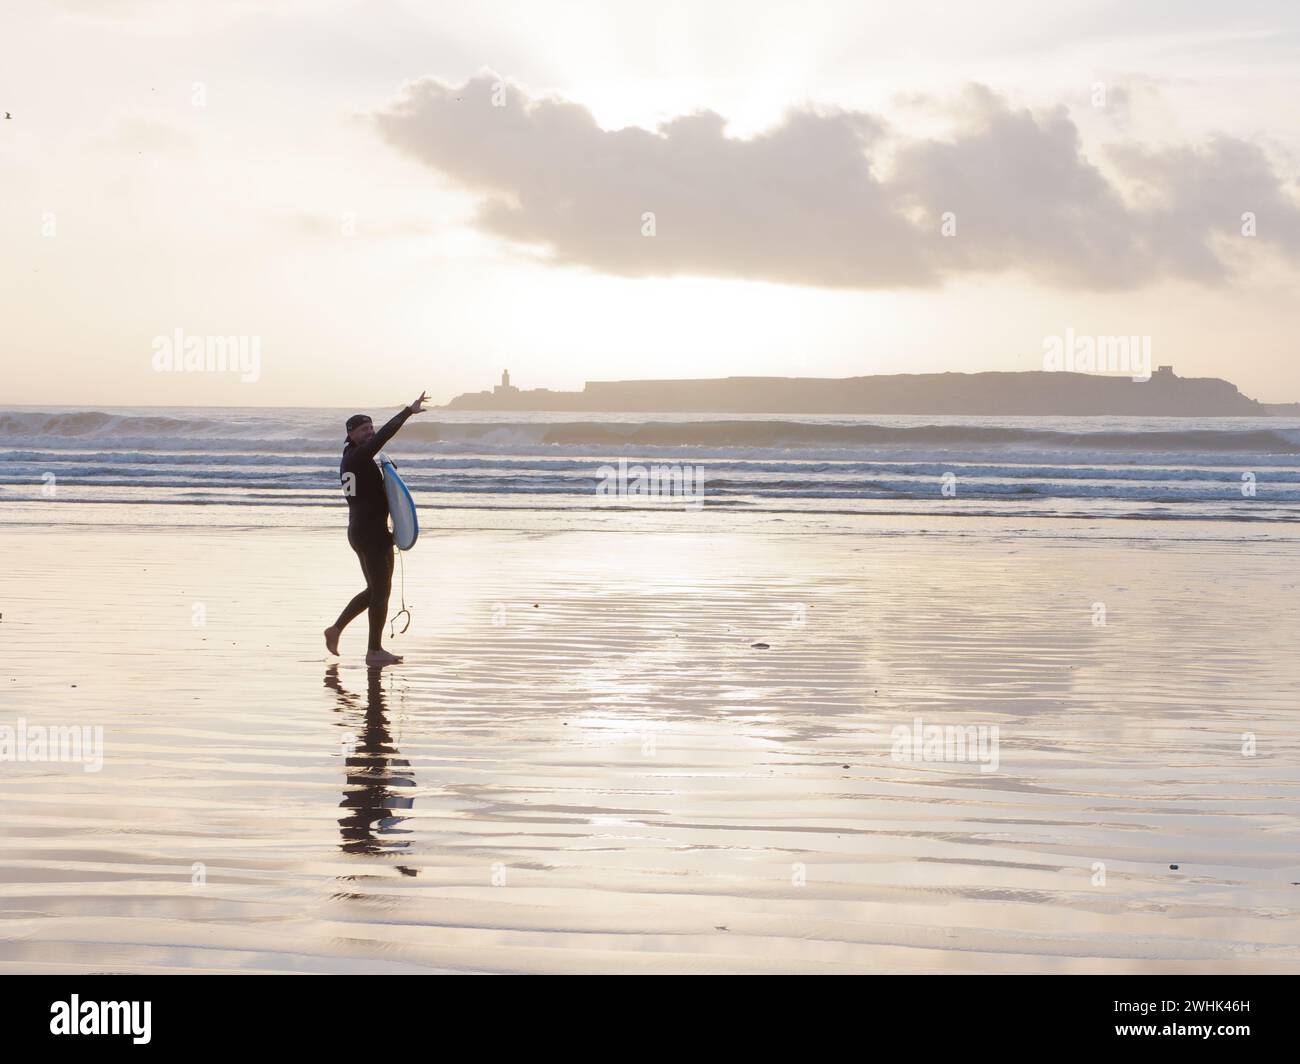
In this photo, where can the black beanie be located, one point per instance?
(355, 420)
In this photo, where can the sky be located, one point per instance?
(384, 197)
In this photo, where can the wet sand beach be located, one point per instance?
(586, 765)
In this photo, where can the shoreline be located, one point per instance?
(329, 518)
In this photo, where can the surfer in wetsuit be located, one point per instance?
(368, 535)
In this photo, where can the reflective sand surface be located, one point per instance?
(585, 765)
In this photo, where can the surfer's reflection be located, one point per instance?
(373, 772)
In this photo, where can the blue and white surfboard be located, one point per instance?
(401, 507)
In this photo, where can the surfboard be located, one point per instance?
(401, 507)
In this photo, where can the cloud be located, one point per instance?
(836, 198)
(1024, 197)
(1193, 199)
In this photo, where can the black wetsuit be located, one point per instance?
(368, 535)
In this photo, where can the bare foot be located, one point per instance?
(381, 657)
(332, 639)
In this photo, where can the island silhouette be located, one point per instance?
(1039, 392)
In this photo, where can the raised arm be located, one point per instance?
(376, 442)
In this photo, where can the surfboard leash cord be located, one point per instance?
(392, 621)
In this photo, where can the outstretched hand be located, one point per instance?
(418, 405)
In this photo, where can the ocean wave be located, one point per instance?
(793, 435)
(308, 432)
(1184, 467)
(92, 423)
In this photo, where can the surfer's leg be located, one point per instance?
(379, 573)
(354, 609)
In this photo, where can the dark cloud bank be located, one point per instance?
(835, 198)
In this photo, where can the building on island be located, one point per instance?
(505, 389)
